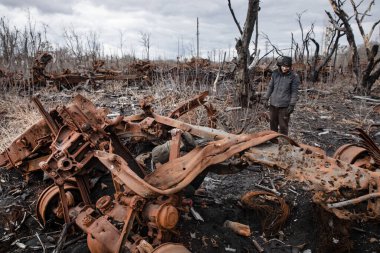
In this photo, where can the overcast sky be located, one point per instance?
(171, 23)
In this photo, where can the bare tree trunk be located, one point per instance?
(337, 6)
(315, 69)
(242, 48)
(365, 79)
(370, 73)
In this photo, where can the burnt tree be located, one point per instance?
(372, 71)
(366, 78)
(303, 48)
(300, 56)
(242, 48)
(317, 67)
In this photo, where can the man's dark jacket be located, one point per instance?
(283, 89)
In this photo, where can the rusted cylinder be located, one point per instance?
(238, 228)
(111, 208)
(165, 216)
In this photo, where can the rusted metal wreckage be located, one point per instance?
(135, 71)
(77, 142)
(70, 78)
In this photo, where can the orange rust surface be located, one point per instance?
(323, 174)
(188, 105)
(348, 153)
(86, 139)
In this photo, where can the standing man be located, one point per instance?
(282, 93)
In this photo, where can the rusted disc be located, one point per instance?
(49, 195)
(167, 216)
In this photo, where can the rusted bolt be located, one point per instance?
(87, 220)
(59, 181)
(85, 127)
(43, 165)
(21, 142)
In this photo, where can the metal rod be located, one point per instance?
(49, 120)
(354, 201)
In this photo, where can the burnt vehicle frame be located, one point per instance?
(72, 142)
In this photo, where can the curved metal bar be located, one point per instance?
(173, 176)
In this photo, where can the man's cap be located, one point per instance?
(284, 61)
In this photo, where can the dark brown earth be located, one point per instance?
(323, 120)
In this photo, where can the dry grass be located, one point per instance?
(17, 114)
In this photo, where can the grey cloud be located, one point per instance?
(44, 6)
(171, 20)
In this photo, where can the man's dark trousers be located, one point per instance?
(279, 117)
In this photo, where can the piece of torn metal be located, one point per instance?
(332, 180)
(76, 142)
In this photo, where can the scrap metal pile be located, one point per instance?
(75, 143)
(68, 78)
(136, 72)
(39, 76)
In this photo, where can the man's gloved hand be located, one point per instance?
(265, 102)
(291, 109)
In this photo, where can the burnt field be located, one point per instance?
(280, 208)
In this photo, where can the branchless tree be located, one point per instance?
(93, 45)
(18, 47)
(299, 55)
(316, 65)
(301, 50)
(8, 42)
(332, 47)
(74, 43)
(242, 48)
(145, 42)
(365, 79)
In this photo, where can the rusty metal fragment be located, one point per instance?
(365, 154)
(348, 153)
(188, 105)
(369, 145)
(325, 175)
(75, 141)
(238, 228)
(68, 78)
(274, 209)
